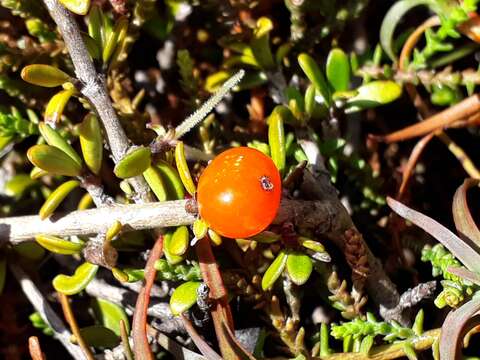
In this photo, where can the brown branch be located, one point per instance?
(94, 88)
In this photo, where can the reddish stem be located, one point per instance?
(141, 348)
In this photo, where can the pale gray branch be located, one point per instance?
(94, 87)
(41, 305)
(94, 221)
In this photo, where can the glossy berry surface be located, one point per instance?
(239, 192)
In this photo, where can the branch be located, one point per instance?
(39, 303)
(94, 221)
(94, 88)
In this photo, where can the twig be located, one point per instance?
(35, 349)
(94, 88)
(68, 313)
(94, 221)
(41, 305)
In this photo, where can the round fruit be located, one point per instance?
(239, 192)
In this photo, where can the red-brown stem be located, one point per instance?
(35, 349)
(220, 311)
(141, 348)
(72, 322)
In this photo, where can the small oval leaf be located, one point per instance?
(56, 105)
(134, 163)
(167, 244)
(299, 268)
(154, 179)
(375, 93)
(338, 70)
(215, 238)
(71, 285)
(172, 180)
(110, 315)
(53, 160)
(274, 271)
(44, 75)
(79, 7)
(91, 142)
(200, 228)
(18, 184)
(116, 36)
(184, 297)
(53, 138)
(58, 245)
(183, 170)
(180, 241)
(56, 198)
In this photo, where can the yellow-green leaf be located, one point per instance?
(315, 75)
(299, 267)
(53, 160)
(375, 93)
(56, 198)
(260, 43)
(71, 285)
(154, 179)
(53, 138)
(79, 7)
(338, 70)
(91, 143)
(56, 105)
(172, 180)
(180, 240)
(200, 228)
(134, 163)
(115, 38)
(276, 139)
(184, 297)
(110, 315)
(113, 230)
(18, 184)
(85, 202)
(95, 22)
(58, 245)
(182, 167)
(37, 173)
(274, 271)
(44, 75)
(215, 238)
(311, 244)
(171, 258)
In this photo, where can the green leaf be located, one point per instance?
(154, 179)
(184, 297)
(95, 22)
(366, 344)
(18, 184)
(79, 7)
(56, 105)
(71, 285)
(299, 267)
(391, 20)
(180, 241)
(53, 160)
(134, 163)
(44, 75)
(375, 93)
(260, 43)
(276, 138)
(110, 315)
(167, 244)
(30, 250)
(200, 229)
(115, 38)
(53, 138)
(274, 271)
(182, 168)
(58, 245)
(338, 70)
(172, 180)
(91, 141)
(99, 336)
(315, 75)
(56, 198)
